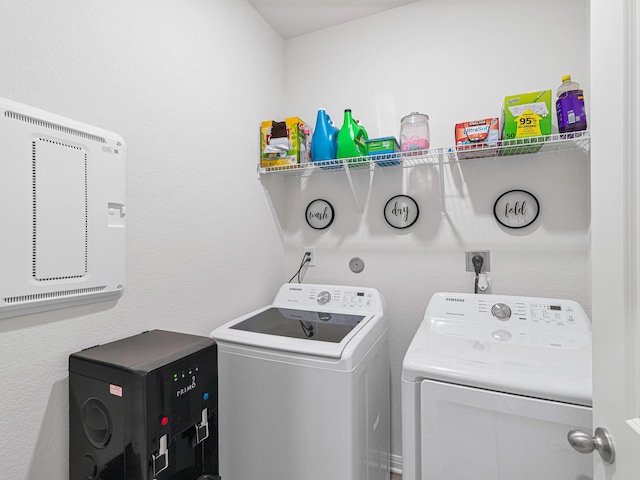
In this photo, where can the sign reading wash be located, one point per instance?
(319, 214)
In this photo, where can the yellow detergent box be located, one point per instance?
(527, 115)
(284, 143)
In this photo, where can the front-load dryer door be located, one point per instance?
(470, 434)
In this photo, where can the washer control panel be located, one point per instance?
(329, 297)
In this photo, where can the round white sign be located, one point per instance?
(516, 209)
(401, 211)
(319, 214)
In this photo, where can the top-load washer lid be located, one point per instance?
(537, 347)
(319, 320)
(303, 324)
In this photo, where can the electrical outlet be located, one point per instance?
(486, 264)
(312, 255)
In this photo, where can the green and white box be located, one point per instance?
(527, 115)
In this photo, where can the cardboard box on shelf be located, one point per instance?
(527, 115)
(284, 143)
(473, 138)
(384, 151)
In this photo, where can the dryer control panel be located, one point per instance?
(535, 311)
(531, 321)
(506, 310)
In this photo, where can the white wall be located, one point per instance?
(455, 61)
(186, 84)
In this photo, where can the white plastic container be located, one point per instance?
(414, 132)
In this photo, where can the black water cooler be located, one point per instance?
(145, 408)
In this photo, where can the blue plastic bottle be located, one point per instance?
(324, 143)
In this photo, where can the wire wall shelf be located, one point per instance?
(440, 156)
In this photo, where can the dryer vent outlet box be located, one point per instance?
(62, 197)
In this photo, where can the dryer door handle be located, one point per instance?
(600, 441)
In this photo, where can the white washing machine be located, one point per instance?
(492, 384)
(304, 387)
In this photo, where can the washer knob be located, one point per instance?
(324, 297)
(501, 311)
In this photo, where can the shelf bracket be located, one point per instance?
(443, 201)
(347, 170)
(345, 165)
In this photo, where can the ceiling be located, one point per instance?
(291, 18)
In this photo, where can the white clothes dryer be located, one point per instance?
(492, 384)
(304, 387)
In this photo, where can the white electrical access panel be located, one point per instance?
(62, 198)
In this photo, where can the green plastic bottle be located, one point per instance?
(352, 139)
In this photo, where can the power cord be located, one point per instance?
(306, 258)
(477, 262)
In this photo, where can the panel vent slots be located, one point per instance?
(59, 249)
(52, 295)
(53, 126)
